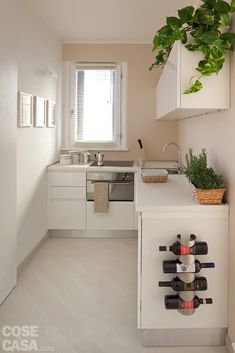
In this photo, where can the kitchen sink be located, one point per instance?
(175, 170)
(179, 170)
(114, 164)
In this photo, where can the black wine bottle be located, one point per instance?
(175, 266)
(200, 283)
(199, 248)
(175, 302)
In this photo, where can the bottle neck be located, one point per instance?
(164, 284)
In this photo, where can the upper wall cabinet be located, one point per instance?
(172, 103)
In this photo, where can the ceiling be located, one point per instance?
(106, 21)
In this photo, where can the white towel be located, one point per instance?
(101, 198)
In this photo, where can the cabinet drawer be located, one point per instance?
(66, 192)
(67, 214)
(67, 179)
(120, 216)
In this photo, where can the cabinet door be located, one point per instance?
(67, 214)
(216, 88)
(120, 216)
(167, 90)
(156, 232)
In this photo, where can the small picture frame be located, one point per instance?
(25, 109)
(51, 113)
(39, 108)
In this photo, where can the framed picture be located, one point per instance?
(39, 109)
(50, 113)
(25, 109)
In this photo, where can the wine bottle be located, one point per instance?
(200, 283)
(199, 248)
(175, 266)
(175, 302)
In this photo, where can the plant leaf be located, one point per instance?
(225, 20)
(221, 7)
(156, 42)
(228, 36)
(204, 16)
(173, 22)
(209, 37)
(197, 86)
(205, 68)
(209, 3)
(232, 6)
(219, 43)
(184, 36)
(191, 47)
(216, 54)
(186, 14)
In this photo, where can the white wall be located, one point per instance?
(8, 86)
(38, 49)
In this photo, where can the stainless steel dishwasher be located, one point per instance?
(121, 185)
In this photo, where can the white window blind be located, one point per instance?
(97, 103)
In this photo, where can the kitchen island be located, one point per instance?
(166, 210)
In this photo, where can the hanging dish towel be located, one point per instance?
(101, 199)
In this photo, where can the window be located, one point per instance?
(97, 105)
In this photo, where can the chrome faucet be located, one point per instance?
(179, 151)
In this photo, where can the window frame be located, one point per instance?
(69, 108)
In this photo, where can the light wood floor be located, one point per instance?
(82, 295)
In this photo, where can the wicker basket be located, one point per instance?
(209, 197)
(154, 178)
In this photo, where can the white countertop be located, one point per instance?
(174, 195)
(87, 168)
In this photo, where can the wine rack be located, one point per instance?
(187, 282)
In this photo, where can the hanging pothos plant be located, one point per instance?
(206, 30)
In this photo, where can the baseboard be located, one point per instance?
(229, 345)
(28, 258)
(184, 337)
(65, 233)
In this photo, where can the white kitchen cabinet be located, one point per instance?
(67, 214)
(67, 200)
(69, 210)
(120, 216)
(156, 232)
(211, 321)
(172, 103)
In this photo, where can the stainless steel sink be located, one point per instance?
(176, 170)
(179, 170)
(114, 164)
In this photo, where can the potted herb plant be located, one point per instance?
(204, 29)
(209, 185)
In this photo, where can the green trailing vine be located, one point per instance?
(199, 174)
(206, 30)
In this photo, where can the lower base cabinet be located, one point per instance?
(68, 208)
(120, 216)
(157, 230)
(67, 214)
